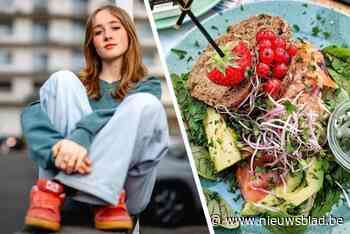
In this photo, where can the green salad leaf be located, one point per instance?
(192, 110)
(338, 65)
(204, 165)
(330, 194)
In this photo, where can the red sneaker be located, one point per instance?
(46, 199)
(113, 217)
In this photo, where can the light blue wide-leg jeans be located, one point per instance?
(124, 153)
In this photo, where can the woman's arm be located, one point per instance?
(39, 134)
(151, 85)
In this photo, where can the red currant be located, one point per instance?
(292, 50)
(279, 43)
(280, 70)
(263, 70)
(265, 34)
(267, 56)
(281, 56)
(264, 44)
(272, 86)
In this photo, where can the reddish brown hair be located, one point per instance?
(133, 69)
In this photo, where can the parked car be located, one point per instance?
(175, 200)
(10, 143)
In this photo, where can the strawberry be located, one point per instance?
(216, 76)
(230, 70)
(232, 76)
(241, 48)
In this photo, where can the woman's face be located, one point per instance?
(109, 36)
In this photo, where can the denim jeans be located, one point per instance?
(124, 153)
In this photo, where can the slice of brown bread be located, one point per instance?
(216, 95)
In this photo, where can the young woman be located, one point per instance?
(99, 133)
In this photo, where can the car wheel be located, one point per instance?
(170, 203)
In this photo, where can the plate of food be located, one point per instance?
(198, 8)
(268, 123)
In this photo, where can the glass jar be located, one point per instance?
(341, 111)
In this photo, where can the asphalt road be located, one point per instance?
(17, 176)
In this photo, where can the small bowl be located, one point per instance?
(343, 158)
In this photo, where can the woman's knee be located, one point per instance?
(146, 102)
(64, 80)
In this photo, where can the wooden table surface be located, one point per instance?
(336, 5)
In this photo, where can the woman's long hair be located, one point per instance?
(133, 69)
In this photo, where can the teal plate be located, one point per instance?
(199, 7)
(334, 29)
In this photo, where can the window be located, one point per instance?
(40, 60)
(5, 57)
(80, 7)
(5, 86)
(8, 3)
(40, 5)
(77, 59)
(6, 27)
(78, 31)
(40, 32)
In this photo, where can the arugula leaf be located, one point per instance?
(192, 110)
(338, 66)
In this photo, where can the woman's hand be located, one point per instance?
(71, 157)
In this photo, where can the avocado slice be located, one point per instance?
(250, 208)
(314, 180)
(221, 141)
(296, 192)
